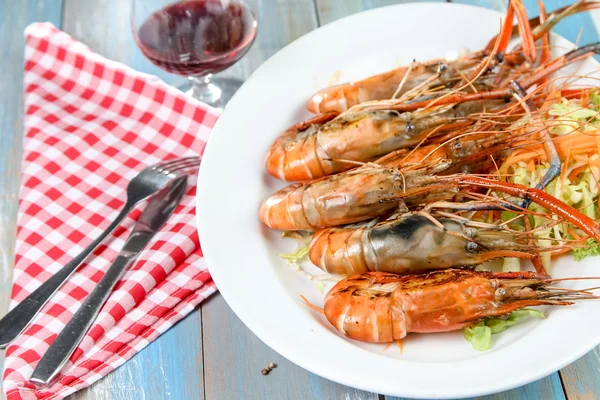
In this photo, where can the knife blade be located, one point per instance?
(155, 215)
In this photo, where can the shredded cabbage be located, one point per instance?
(303, 239)
(581, 192)
(294, 259)
(571, 116)
(296, 256)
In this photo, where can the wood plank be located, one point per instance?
(581, 379)
(14, 17)
(234, 358)
(330, 10)
(547, 389)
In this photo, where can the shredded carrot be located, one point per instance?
(495, 165)
(574, 93)
(387, 346)
(576, 172)
(312, 306)
(495, 215)
(400, 345)
(577, 146)
(561, 251)
(573, 233)
(552, 97)
(512, 160)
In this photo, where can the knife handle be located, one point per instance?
(16, 320)
(69, 338)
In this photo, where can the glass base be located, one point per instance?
(213, 90)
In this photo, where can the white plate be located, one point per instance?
(265, 293)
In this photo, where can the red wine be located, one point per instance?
(197, 37)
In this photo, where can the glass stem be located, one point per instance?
(204, 89)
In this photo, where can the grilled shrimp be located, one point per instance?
(341, 97)
(412, 244)
(339, 199)
(375, 189)
(320, 149)
(374, 128)
(381, 307)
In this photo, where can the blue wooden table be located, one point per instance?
(211, 354)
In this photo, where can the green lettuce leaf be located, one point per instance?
(592, 248)
(296, 256)
(518, 316)
(481, 338)
(480, 334)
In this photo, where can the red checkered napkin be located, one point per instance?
(90, 126)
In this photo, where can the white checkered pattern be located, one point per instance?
(91, 125)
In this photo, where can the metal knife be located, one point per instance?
(154, 216)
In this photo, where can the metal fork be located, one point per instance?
(143, 185)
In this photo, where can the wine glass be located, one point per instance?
(196, 38)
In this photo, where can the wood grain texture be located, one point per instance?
(330, 10)
(581, 379)
(546, 389)
(14, 17)
(234, 358)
